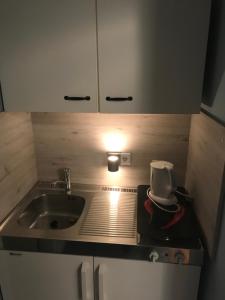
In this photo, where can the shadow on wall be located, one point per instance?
(212, 281)
(1, 105)
(215, 66)
(213, 273)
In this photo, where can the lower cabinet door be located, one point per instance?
(41, 276)
(119, 279)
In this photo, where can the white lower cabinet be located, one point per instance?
(41, 276)
(120, 279)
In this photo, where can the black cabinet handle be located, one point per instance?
(119, 98)
(68, 98)
(15, 254)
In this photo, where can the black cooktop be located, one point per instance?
(185, 234)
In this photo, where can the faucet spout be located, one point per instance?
(67, 174)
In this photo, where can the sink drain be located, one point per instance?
(54, 224)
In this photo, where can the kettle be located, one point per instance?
(162, 183)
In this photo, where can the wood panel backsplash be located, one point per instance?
(18, 171)
(80, 141)
(205, 173)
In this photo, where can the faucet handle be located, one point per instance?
(55, 183)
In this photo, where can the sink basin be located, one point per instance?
(52, 211)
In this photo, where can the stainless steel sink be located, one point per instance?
(91, 213)
(52, 211)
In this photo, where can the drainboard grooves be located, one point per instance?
(119, 189)
(111, 214)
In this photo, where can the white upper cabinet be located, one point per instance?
(144, 56)
(48, 51)
(153, 51)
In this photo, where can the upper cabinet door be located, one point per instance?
(152, 55)
(48, 51)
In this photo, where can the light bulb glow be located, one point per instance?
(113, 158)
(114, 198)
(114, 142)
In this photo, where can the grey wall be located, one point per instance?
(214, 89)
(212, 280)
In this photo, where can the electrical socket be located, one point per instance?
(125, 159)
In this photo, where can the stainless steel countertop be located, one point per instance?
(107, 227)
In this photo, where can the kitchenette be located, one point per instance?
(111, 178)
(57, 237)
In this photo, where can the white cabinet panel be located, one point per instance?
(140, 280)
(40, 276)
(48, 51)
(151, 50)
(154, 51)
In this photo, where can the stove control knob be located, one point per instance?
(180, 258)
(154, 256)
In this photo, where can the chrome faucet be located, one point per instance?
(67, 176)
(66, 182)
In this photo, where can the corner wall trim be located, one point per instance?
(212, 116)
(2, 108)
